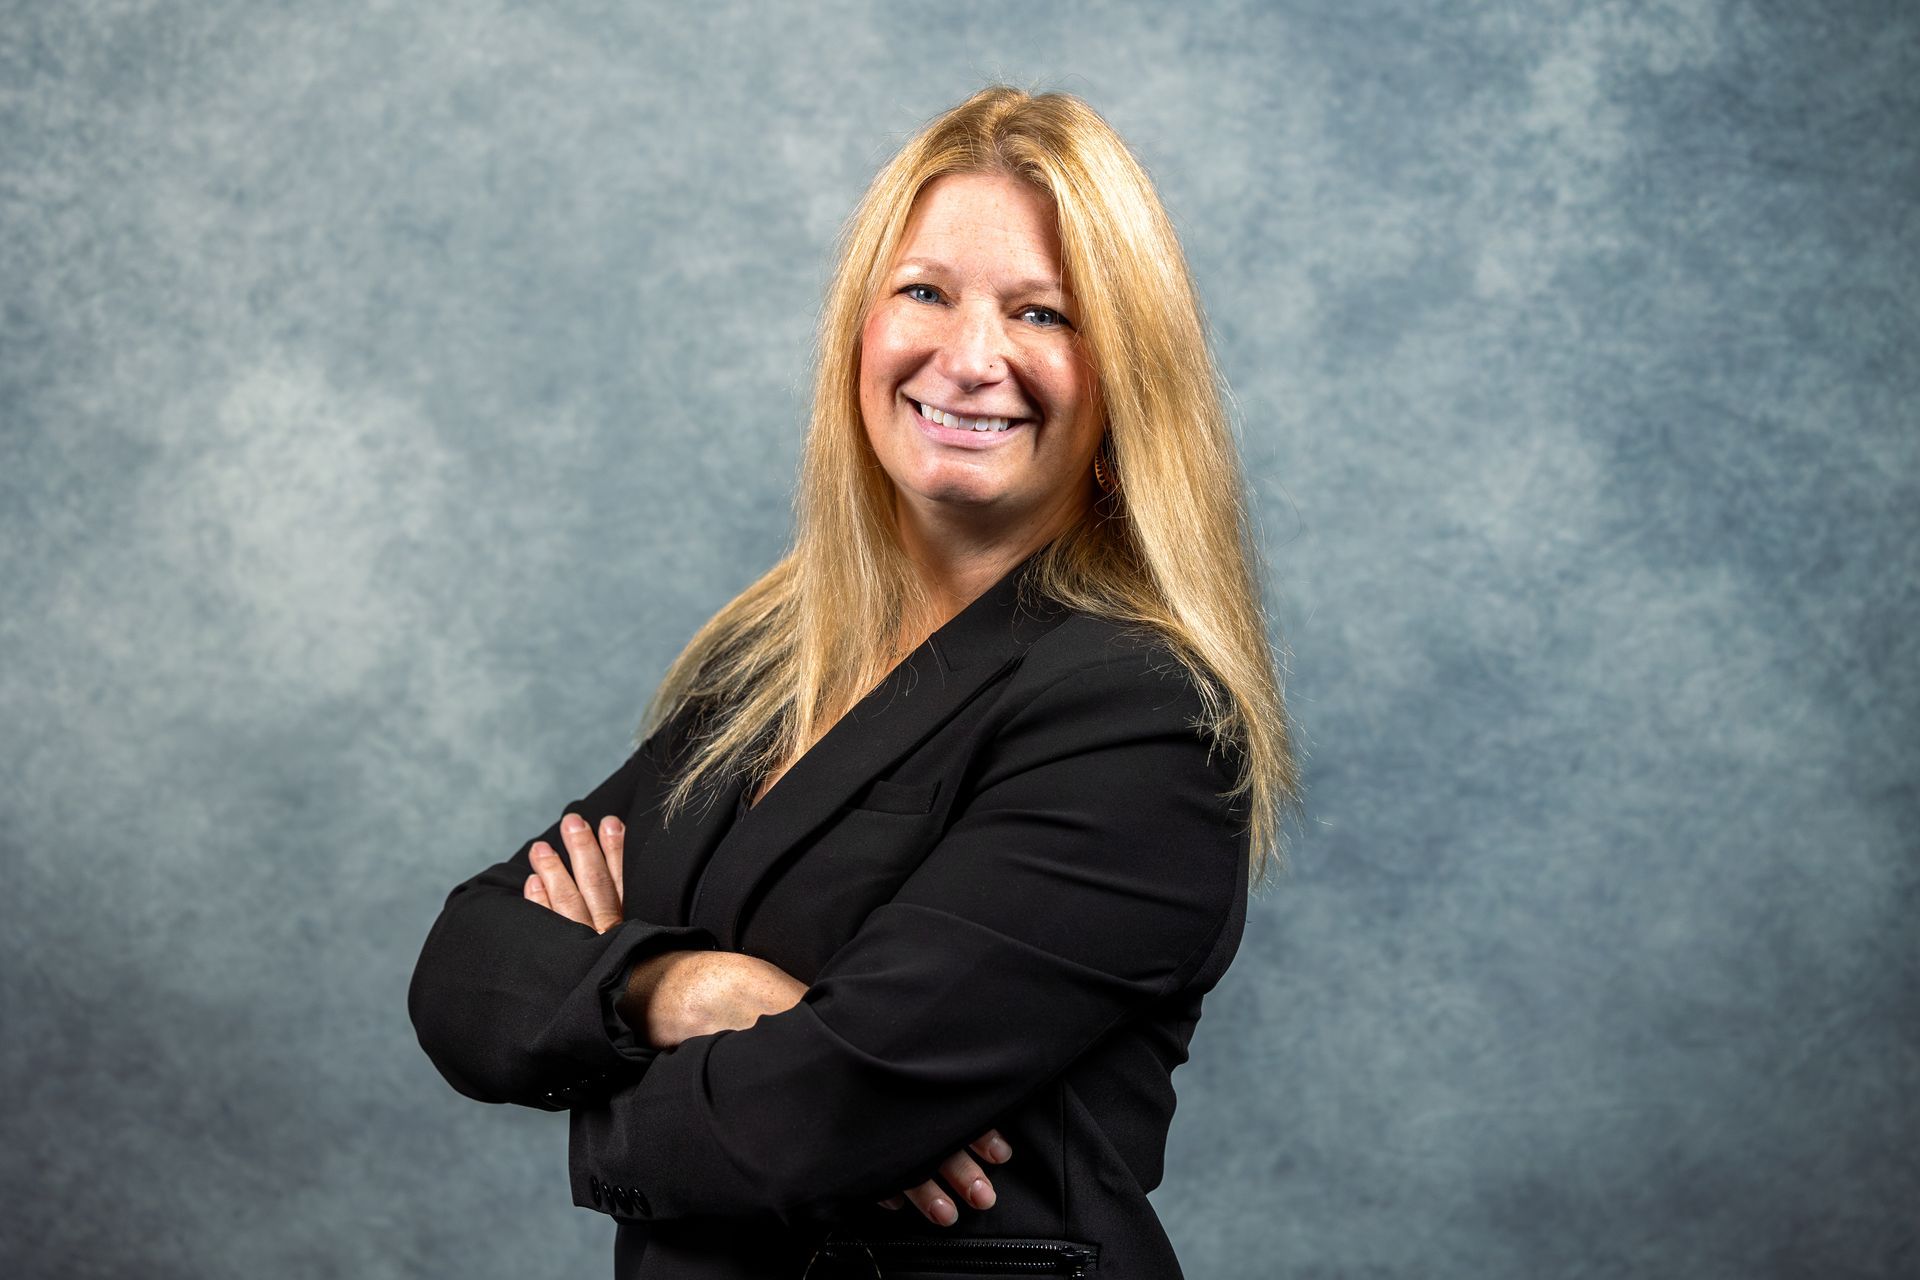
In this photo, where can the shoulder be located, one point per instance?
(1102, 682)
(1102, 653)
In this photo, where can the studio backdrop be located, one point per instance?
(381, 384)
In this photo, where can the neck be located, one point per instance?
(959, 559)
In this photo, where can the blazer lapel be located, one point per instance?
(919, 695)
(673, 855)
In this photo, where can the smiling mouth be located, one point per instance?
(984, 426)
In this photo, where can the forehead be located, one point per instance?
(982, 223)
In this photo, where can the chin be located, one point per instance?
(958, 491)
(961, 495)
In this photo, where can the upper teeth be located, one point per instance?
(965, 424)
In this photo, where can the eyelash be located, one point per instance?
(1064, 323)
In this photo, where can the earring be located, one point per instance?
(1102, 472)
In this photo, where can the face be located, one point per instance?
(972, 323)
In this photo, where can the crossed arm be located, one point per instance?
(676, 995)
(1092, 872)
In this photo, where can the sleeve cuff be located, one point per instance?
(627, 1041)
(587, 1030)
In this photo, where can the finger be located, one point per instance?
(991, 1146)
(966, 1177)
(562, 896)
(894, 1202)
(613, 843)
(590, 872)
(933, 1202)
(537, 892)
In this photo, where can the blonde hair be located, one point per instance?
(1172, 549)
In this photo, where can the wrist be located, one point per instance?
(653, 1001)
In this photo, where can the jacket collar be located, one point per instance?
(927, 688)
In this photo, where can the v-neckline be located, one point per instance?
(748, 805)
(1012, 575)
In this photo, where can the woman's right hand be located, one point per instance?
(713, 991)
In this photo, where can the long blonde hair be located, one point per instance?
(1172, 549)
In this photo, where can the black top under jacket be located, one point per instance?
(1007, 877)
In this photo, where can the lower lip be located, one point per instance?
(962, 438)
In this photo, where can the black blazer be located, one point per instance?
(1007, 877)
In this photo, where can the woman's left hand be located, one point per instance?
(594, 893)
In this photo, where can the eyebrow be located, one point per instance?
(1032, 285)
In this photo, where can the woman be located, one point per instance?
(936, 835)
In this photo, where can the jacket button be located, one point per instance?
(593, 1185)
(639, 1202)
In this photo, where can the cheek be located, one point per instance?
(885, 344)
(1070, 385)
(881, 371)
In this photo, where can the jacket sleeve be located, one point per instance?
(1089, 876)
(512, 1001)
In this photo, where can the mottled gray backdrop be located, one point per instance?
(388, 390)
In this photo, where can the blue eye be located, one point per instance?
(1058, 320)
(929, 288)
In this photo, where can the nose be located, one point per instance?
(973, 348)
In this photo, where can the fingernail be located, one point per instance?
(981, 1194)
(612, 826)
(1000, 1149)
(944, 1213)
(540, 851)
(572, 823)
